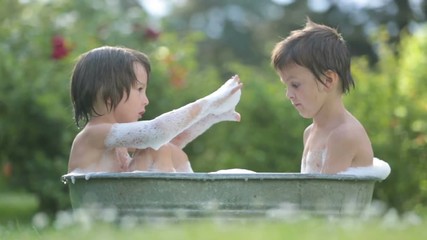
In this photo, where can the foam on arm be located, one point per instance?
(153, 133)
(201, 126)
(161, 130)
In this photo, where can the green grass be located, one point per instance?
(225, 229)
(17, 206)
(17, 222)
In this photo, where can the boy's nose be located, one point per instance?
(145, 101)
(288, 94)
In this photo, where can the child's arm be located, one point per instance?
(201, 126)
(348, 147)
(163, 129)
(341, 148)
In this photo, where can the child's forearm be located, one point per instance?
(201, 126)
(157, 132)
(163, 129)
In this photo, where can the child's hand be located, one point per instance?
(231, 116)
(226, 97)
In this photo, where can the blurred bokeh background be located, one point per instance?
(194, 47)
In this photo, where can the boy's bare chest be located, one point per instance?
(315, 151)
(316, 141)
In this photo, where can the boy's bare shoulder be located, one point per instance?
(353, 139)
(94, 134)
(351, 132)
(88, 146)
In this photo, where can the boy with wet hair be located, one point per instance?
(108, 93)
(314, 65)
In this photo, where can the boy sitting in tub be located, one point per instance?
(108, 93)
(314, 65)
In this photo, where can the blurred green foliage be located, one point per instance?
(36, 125)
(391, 101)
(17, 207)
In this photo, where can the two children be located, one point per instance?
(108, 91)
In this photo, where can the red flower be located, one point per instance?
(59, 47)
(178, 75)
(7, 169)
(151, 34)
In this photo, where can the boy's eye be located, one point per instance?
(295, 85)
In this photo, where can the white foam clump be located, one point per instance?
(379, 169)
(233, 170)
(224, 90)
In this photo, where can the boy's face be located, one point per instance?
(133, 108)
(303, 90)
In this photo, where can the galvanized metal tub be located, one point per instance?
(147, 194)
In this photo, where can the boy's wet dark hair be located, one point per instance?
(105, 72)
(317, 47)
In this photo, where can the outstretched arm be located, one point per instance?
(163, 129)
(201, 126)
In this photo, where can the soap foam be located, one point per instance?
(78, 172)
(161, 130)
(379, 169)
(233, 171)
(217, 106)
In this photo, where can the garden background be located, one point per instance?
(194, 48)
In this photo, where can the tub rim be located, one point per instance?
(204, 176)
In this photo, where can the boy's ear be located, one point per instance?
(109, 106)
(331, 80)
